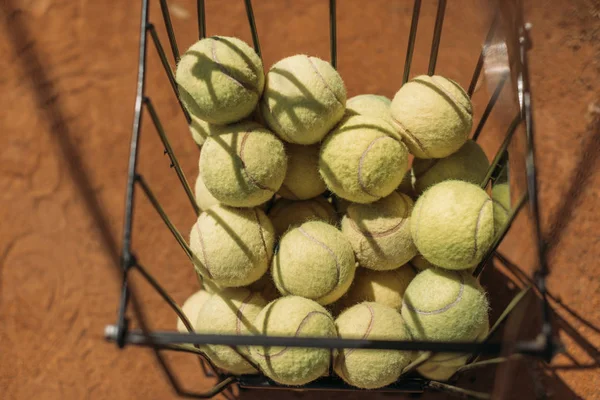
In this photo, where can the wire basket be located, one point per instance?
(504, 60)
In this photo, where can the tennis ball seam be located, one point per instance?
(443, 91)
(404, 131)
(247, 173)
(324, 246)
(206, 264)
(466, 97)
(459, 296)
(262, 236)
(360, 165)
(368, 330)
(300, 326)
(314, 67)
(382, 233)
(240, 313)
(224, 70)
(477, 227)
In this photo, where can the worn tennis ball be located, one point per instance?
(302, 180)
(501, 199)
(314, 261)
(469, 164)
(296, 317)
(220, 79)
(452, 224)
(191, 307)
(201, 129)
(204, 198)
(231, 311)
(232, 246)
(304, 98)
(419, 263)
(434, 116)
(265, 286)
(371, 369)
(371, 105)
(360, 161)
(381, 287)
(288, 213)
(244, 165)
(379, 232)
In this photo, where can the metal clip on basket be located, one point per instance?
(515, 43)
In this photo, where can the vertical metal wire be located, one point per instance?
(201, 11)
(333, 32)
(490, 107)
(437, 36)
(479, 64)
(253, 29)
(507, 138)
(167, 18)
(411, 40)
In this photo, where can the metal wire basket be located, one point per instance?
(504, 59)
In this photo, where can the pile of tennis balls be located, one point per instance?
(313, 224)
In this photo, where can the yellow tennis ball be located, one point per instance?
(244, 165)
(433, 114)
(501, 199)
(452, 224)
(382, 287)
(220, 79)
(297, 317)
(191, 307)
(201, 129)
(204, 198)
(379, 232)
(231, 311)
(302, 180)
(287, 213)
(371, 105)
(232, 246)
(304, 98)
(469, 164)
(314, 261)
(360, 161)
(371, 369)
(419, 263)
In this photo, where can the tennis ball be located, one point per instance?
(433, 114)
(231, 311)
(379, 232)
(501, 200)
(370, 105)
(191, 307)
(360, 161)
(419, 263)
(232, 246)
(314, 261)
(302, 180)
(220, 79)
(381, 287)
(287, 213)
(304, 98)
(244, 165)
(297, 317)
(371, 369)
(469, 164)
(204, 198)
(201, 129)
(452, 224)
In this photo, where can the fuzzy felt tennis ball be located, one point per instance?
(452, 224)
(371, 369)
(204, 198)
(232, 246)
(382, 287)
(220, 79)
(191, 307)
(231, 311)
(297, 317)
(469, 164)
(288, 213)
(302, 180)
(371, 105)
(360, 161)
(379, 232)
(501, 199)
(304, 98)
(419, 263)
(244, 165)
(265, 286)
(314, 261)
(201, 129)
(433, 114)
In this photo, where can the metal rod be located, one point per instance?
(253, 29)
(490, 107)
(479, 64)
(164, 8)
(163, 59)
(437, 36)
(501, 151)
(333, 32)
(411, 40)
(200, 10)
(513, 303)
(174, 163)
(491, 361)
(464, 393)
